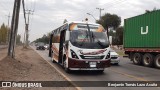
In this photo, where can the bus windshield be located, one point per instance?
(94, 38)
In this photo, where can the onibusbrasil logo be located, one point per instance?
(21, 84)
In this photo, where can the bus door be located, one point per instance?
(62, 40)
(50, 45)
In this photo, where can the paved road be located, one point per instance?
(126, 71)
(3, 46)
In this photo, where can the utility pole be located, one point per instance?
(14, 28)
(8, 27)
(29, 12)
(25, 21)
(8, 18)
(100, 10)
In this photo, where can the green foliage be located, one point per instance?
(148, 11)
(3, 33)
(113, 21)
(18, 39)
(110, 20)
(65, 20)
(44, 39)
(118, 36)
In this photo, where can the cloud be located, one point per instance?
(49, 14)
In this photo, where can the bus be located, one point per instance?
(80, 46)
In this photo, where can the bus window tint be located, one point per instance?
(56, 38)
(81, 39)
(79, 36)
(95, 28)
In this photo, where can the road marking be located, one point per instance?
(128, 75)
(131, 76)
(78, 88)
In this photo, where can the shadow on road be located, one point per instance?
(83, 72)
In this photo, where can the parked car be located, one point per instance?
(46, 46)
(40, 46)
(115, 59)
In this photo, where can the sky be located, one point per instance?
(50, 14)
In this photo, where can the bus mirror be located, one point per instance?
(67, 36)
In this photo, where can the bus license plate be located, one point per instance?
(92, 64)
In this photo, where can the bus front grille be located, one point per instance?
(91, 57)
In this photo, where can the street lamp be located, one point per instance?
(92, 16)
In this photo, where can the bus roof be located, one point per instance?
(81, 22)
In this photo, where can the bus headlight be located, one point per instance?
(108, 55)
(73, 54)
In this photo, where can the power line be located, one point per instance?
(100, 10)
(7, 37)
(26, 6)
(92, 16)
(27, 12)
(32, 5)
(4, 7)
(9, 2)
(117, 4)
(8, 18)
(114, 4)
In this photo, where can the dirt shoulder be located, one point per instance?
(29, 66)
(3, 53)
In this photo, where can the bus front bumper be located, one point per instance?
(76, 64)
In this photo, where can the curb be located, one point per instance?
(65, 77)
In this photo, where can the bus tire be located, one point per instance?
(67, 70)
(100, 71)
(148, 60)
(53, 61)
(157, 61)
(116, 64)
(137, 58)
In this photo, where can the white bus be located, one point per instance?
(80, 46)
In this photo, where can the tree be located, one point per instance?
(119, 35)
(44, 39)
(18, 39)
(65, 20)
(110, 20)
(3, 33)
(148, 11)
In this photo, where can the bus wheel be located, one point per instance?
(100, 71)
(148, 60)
(157, 61)
(137, 58)
(67, 70)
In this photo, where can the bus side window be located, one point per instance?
(56, 39)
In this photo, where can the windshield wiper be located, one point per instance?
(88, 34)
(99, 42)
